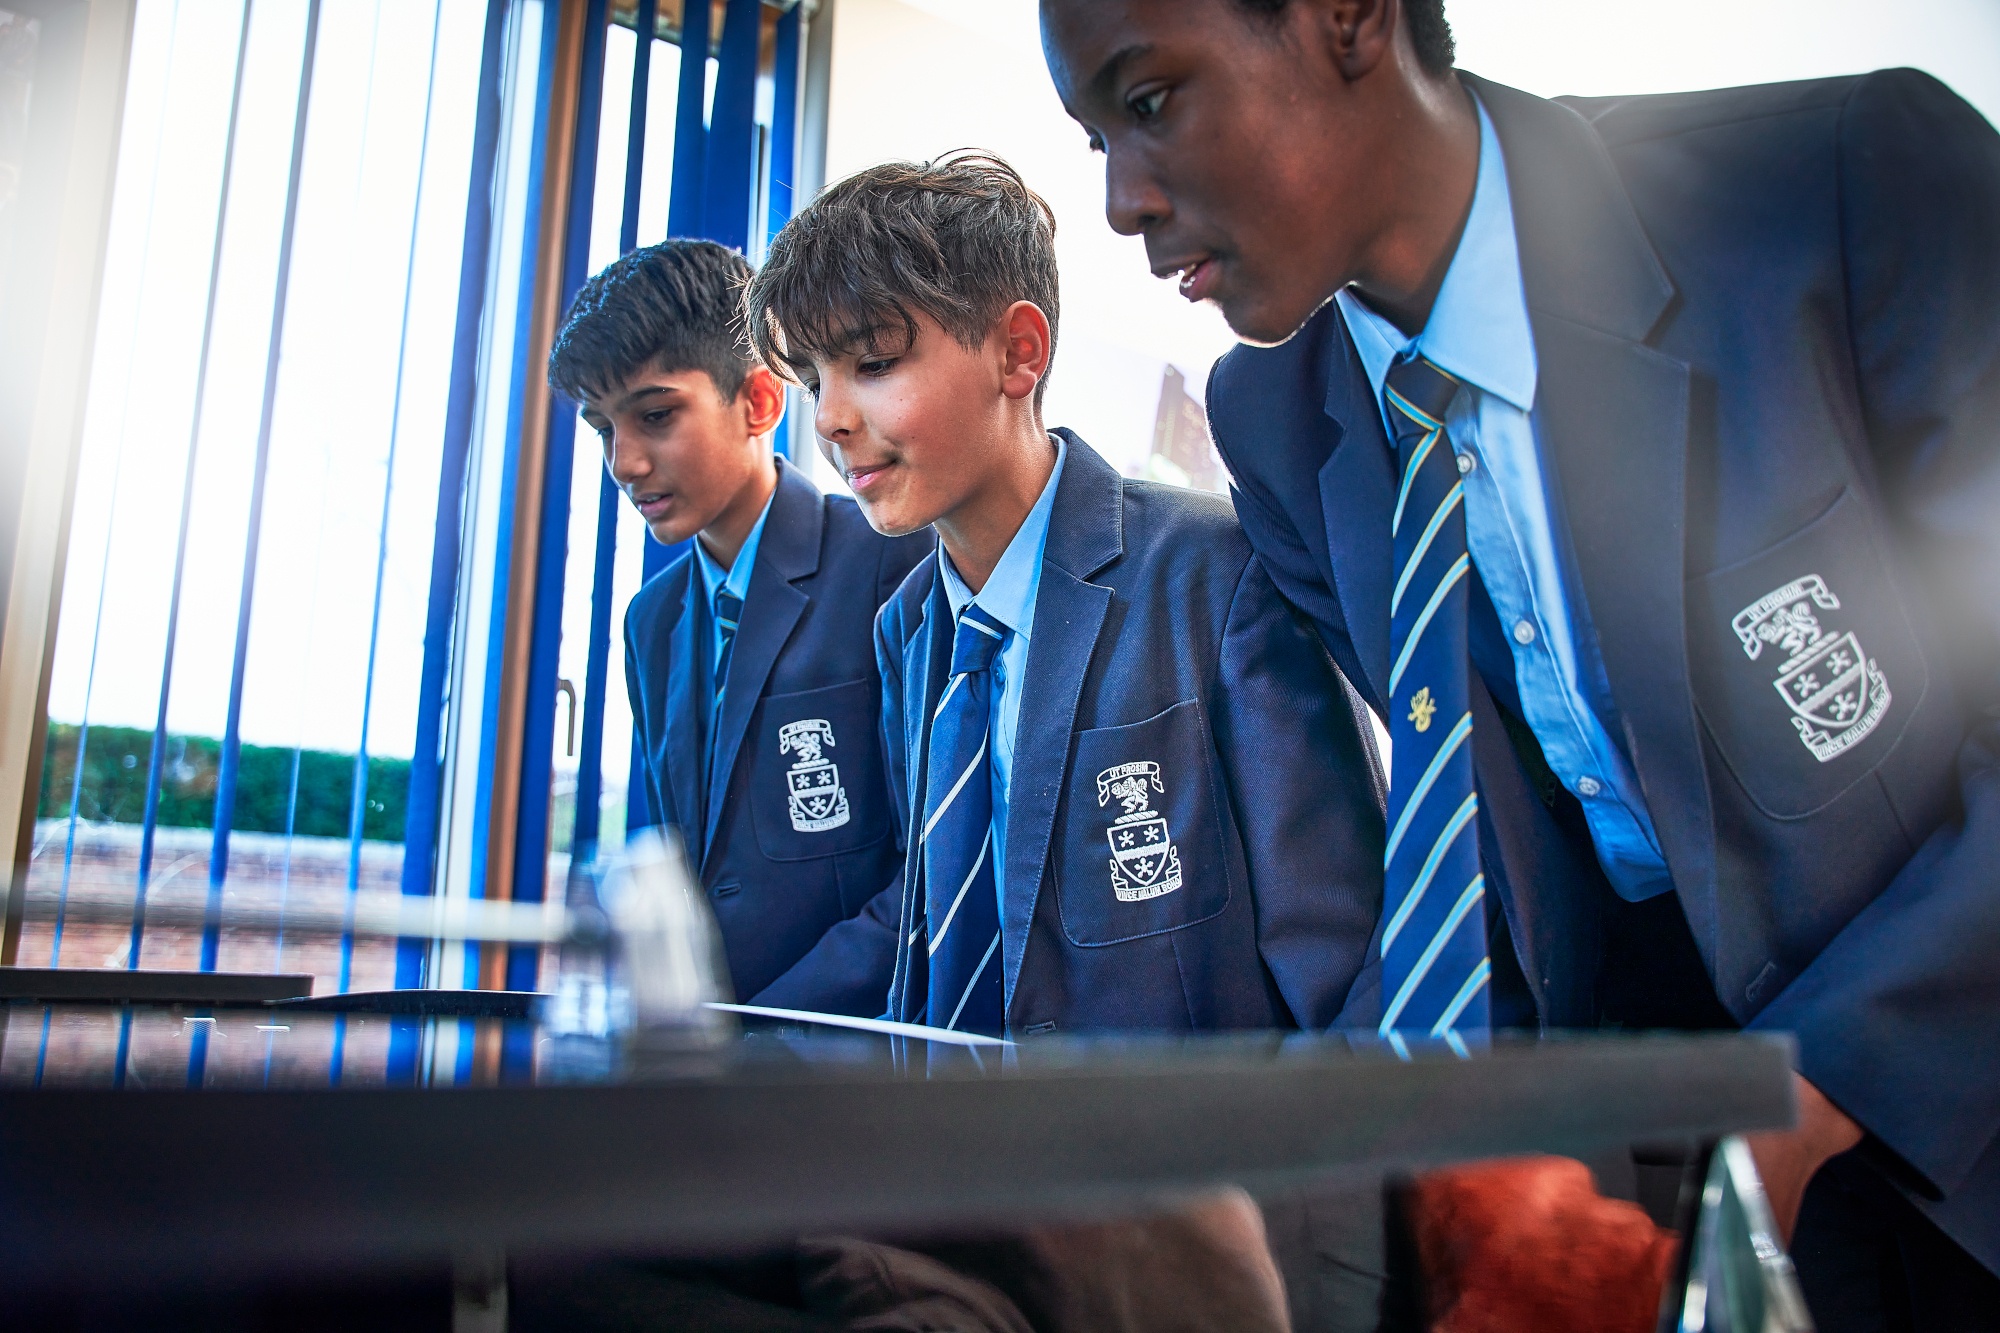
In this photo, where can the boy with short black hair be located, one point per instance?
(1134, 792)
(748, 659)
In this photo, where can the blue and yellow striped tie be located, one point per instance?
(1434, 963)
(961, 906)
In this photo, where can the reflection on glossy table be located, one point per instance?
(451, 1136)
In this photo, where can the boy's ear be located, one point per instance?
(1026, 330)
(763, 400)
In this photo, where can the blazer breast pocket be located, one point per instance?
(816, 783)
(1806, 668)
(1141, 839)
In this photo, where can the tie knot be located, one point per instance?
(979, 636)
(1419, 394)
(728, 610)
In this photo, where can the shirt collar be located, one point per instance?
(1478, 329)
(1009, 595)
(736, 582)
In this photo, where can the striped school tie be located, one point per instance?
(728, 613)
(1434, 963)
(961, 910)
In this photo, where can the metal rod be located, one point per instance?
(420, 819)
(358, 801)
(690, 131)
(531, 479)
(787, 71)
(157, 755)
(635, 123)
(533, 816)
(727, 196)
(585, 827)
(232, 741)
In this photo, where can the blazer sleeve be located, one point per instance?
(1306, 799)
(1898, 1019)
(849, 970)
(654, 811)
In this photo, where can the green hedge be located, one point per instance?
(114, 784)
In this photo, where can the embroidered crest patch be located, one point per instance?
(816, 799)
(1144, 861)
(1835, 691)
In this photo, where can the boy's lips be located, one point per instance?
(861, 478)
(651, 507)
(1196, 274)
(1198, 279)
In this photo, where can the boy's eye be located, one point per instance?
(876, 365)
(811, 387)
(655, 418)
(1094, 141)
(1146, 105)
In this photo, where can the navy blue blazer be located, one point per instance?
(1768, 327)
(1161, 652)
(795, 835)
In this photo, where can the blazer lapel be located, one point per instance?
(1357, 491)
(926, 661)
(686, 719)
(788, 550)
(1086, 533)
(1612, 414)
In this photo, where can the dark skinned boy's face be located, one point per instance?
(1231, 145)
(678, 451)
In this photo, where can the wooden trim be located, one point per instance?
(531, 477)
(53, 425)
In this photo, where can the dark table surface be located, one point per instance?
(248, 1139)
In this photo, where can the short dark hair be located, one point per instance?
(678, 304)
(1429, 33)
(959, 239)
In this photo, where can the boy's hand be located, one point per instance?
(1787, 1159)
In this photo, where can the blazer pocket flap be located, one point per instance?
(1141, 838)
(1806, 668)
(816, 784)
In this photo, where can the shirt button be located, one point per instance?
(1524, 633)
(1466, 462)
(1588, 787)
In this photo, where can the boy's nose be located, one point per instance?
(1133, 200)
(628, 464)
(834, 416)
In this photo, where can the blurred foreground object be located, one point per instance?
(642, 956)
(1740, 1279)
(1531, 1244)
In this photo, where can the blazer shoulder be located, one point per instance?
(660, 599)
(1182, 528)
(1274, 396)
(1629, 120)
(904, 611)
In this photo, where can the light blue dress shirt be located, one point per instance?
(1009, 597)
(735, 581)
(1479, 332)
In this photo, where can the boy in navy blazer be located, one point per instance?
(1136, 795)
(748, 659)
(1719, 373)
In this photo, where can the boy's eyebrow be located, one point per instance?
(643, 391)
(1105, 81)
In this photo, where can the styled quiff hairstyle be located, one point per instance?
(677, 305)
(959, 239)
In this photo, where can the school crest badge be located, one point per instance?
(815, 797)
(1144, 862)
(1835, 691)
